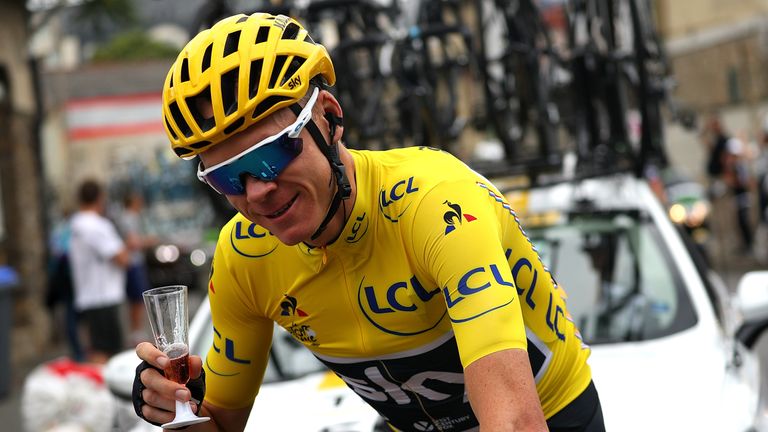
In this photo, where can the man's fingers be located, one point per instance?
(155, 357)
(155, 400)
(157, 415)
(166, 388)
(195, 366)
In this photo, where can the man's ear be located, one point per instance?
(336, 124)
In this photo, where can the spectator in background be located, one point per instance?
(129, 223)
(715, 139)
(728, 171)
(761, 171)
(738, 179)
(60, 288)
(98, 258)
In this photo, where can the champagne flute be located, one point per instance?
(168, 316)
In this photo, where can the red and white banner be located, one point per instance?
(111, 116)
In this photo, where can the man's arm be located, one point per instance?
(503, 394)
(465, 255)
(160, 395)
(122, 258)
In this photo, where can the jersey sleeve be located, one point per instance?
(237, 359)
(456, 236)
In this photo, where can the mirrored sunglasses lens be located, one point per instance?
(264, 163)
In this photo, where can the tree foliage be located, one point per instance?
(134, 45)
(101, 13)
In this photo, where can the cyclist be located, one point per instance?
(404, 271)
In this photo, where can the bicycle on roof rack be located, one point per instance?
(520, 70)
(596, 97)
(621, 78)
(357, 34)
(432, 60)
(400, 66)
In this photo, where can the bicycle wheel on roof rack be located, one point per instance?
(516, 59)
(352, 32)
(433, 62)
(654, 81)
(600, 117)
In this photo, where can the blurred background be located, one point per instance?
(537, 92)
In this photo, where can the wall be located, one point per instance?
(23, 246)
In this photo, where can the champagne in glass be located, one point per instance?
(178, 366)
(168, 316)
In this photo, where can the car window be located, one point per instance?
(622, 284)
(288, 359)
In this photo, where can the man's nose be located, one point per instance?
(257, 190)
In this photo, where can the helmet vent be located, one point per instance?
(255, 77)
(207, 58)
(179, 119)
(200, 144)
(170, 129)
(242, 19)
(230, 45)
(262, 35)
(170, 82)
(181, 151)
(234, 126)
(276, 70)
(267, 104)
(308, 38)
(185, 70)
(195, 105)
(291, 31)
(229, 91)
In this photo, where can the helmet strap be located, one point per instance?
(331, 153)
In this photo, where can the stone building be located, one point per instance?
(22, 244)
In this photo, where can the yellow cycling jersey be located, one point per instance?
(431, 272)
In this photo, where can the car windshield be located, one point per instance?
(621, 281)
(288, 359)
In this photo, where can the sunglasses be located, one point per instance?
(264, 160)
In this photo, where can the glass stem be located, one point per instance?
(184, 410)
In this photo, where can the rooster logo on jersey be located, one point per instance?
(454, 216)
(289, 307)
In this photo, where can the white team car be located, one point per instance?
(662, 326)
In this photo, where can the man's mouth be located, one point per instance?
(282, 210)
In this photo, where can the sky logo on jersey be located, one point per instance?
(454, 216)
(288, 307)
(390, 196)
(251, 240)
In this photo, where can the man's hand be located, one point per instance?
(154, 395)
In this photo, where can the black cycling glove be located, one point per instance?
(196, 388)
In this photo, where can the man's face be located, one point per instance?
(294, 204)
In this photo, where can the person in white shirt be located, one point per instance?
(98, 258)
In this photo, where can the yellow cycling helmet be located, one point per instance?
(242, 69)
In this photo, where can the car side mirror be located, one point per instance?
(752, 302)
